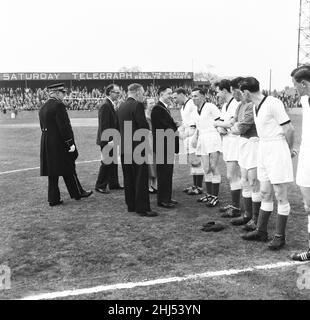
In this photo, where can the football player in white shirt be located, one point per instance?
(274, 165)
(188, 111)
(230, 146)
(209, 145)
(248, 144)
(301, 80)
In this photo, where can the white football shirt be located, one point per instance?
(305, 135)
(188, 111)
(206, 117)
(269, 116)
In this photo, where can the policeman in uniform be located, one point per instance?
(58, 151)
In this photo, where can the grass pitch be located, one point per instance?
(95, 241)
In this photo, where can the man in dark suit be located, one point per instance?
(58, 151)
(108, 175)
(161, 119)
(131, 112)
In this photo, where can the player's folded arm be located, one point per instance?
(226, 124)
(248, 120)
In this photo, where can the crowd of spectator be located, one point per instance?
(289, 101)
(33, 99)
(20, 99)
(78, 98)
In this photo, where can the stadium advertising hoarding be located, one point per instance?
(94, 76)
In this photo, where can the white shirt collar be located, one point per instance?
(163, 103)
(111, 101)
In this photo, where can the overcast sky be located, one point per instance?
(225, 37)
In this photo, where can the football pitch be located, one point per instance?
(96, 243)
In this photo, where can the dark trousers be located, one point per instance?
(104, 175)
(114, 182)
(136, 186)
(164, 182)
(108, 175)
(72, 183)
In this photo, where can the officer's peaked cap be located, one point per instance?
(57, 87)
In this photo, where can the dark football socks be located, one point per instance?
(255, 210)
(215, 189)
(209, 187)
(235, 197)
(199, 179)
(263, 219)
(281, 224)
(248, 207)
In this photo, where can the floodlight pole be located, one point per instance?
(270, 72)
(303, 53)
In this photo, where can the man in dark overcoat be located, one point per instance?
(108, 173)
(135, 174)
(162, 120)
(58, 151)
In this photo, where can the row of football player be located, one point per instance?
(256, 138)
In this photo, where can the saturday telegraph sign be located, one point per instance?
(95, 76)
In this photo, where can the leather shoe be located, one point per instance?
(86, 194)
(212, 226)
(166, 205)
(256, 236)
(53, 204)
(118, 187)
(102, 190)
(240, 221)
(173, 201)
(148, 214)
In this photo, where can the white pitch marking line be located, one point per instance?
(35, 168)
(130, 285)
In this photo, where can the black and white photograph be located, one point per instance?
(156, 152)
